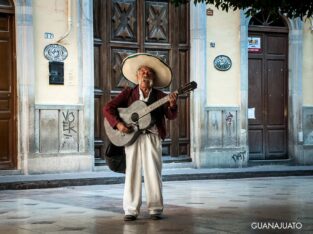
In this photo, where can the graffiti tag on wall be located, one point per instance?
(69, 130)
(68, 124)
(229, 121)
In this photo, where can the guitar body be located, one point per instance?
(127, 115)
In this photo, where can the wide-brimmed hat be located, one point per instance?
(133, 62)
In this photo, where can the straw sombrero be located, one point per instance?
(133, 62)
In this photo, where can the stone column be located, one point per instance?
(86, 61)
(25, 63)
(295, 93)
(244, 24)
(198, 74)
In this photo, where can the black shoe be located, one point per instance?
(130, 217)
(155, 216)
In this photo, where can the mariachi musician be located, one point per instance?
(147, 72)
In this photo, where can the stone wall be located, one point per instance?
(59, 140)
(222, 144)
(59, 129)
(223, 127)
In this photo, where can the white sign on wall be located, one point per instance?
(251, 113)
(254, 44)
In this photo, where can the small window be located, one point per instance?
(267, 19)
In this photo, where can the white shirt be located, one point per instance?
(153, 129)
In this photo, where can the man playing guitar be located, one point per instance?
(145, 152)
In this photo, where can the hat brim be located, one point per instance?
(133, 62)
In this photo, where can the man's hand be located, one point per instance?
(122, 127)
(173, 99)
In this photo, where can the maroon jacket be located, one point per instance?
(128, 96)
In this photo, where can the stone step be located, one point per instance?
(10, 172)
(166, 159)
(168, 174)
(286, 162)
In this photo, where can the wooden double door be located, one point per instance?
(124, 27)
(8, 141)
(268, 94)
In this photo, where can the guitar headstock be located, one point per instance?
(187, 87)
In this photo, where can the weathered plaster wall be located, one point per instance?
(52, 17)
(55, 121)
(215, 136)
(223, 29)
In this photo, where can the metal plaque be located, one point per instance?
(55, 52)
(222, 63)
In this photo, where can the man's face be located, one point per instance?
(145, 77)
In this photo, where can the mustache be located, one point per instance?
(144, 79)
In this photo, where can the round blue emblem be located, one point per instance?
(222, 63)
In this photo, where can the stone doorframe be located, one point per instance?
(295, 93)
(25, 76)
(25, 60)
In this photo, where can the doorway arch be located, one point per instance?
(295, 100)
(267, 87)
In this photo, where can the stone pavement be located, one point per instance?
(171, 172)
(250, 205)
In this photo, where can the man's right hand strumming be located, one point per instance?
(122, 127)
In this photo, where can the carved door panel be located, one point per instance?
(124, 27)
(7, 93)
(268, 89)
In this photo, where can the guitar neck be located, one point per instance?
(155, 105)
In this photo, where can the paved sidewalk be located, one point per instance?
(169, 174)
(279, 205)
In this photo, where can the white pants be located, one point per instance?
(146, 154)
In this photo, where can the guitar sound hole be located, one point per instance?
(134, 117)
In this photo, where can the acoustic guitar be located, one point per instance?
(138, 117)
